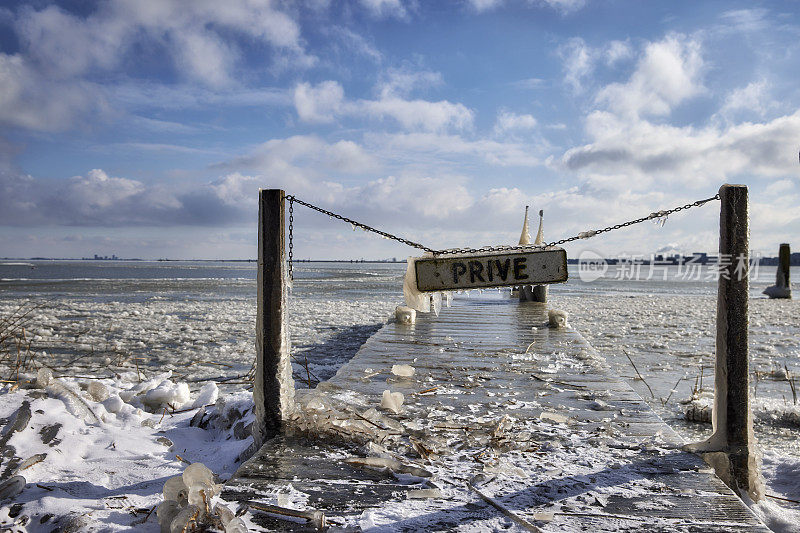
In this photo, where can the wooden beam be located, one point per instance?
(273, 390)
(732, 448)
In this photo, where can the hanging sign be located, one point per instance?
(480, 271)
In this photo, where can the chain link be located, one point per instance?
(362, 226)
(582, 235)
(485, 249)
(291, 229)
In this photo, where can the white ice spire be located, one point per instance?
(525, 238)
(540, 233)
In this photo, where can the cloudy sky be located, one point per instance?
(145, 128)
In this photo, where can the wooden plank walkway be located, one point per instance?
(533, 412)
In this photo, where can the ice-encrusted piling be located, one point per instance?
(532, 293)
(782, 287)
(273, 391)
(732, 449)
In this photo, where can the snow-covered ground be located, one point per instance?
(105, 472)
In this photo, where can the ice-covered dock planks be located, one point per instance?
(481, 271)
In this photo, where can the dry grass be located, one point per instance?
(16, 355)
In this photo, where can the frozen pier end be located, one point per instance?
(505, 423)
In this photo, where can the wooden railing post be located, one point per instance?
(732, 448)
(273, 390)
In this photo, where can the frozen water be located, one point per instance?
(175, 489)
(166, 513)
(392, 401)
(405, 371)
(557, 318)
(208, 394)
(97, 391)
(198, 474)
(405, 315)
(167, 394)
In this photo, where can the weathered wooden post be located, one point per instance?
(273, 391)
(732, 448)
(783, 285)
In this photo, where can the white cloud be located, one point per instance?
(320, 103)
(564, 6)
(440, 147)
(694, 157)
(484, 5)
(508, 121)
(752, 98)
(304, 157)
(667, 74)
(385, 8)
(618, 51)
(32, 101)
(412, 194)
(402, 81)
(324, 101)
(421, 114)
(578, 62)
(70, 46)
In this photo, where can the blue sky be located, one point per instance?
(145, 128)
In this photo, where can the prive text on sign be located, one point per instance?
(535, 267)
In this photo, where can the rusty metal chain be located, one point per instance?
(486, 249)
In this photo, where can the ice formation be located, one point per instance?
(167, 394)
(207, 395)
(415, 299)
(97, 391)
(405, 371)
(405, 315)
(557, 318)
(188, 501)
(392, 401)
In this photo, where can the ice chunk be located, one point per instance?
(197, 474)
(404, 371)
(553, 417)
(175, 489)
(200, 494)
(208, 394)
(236, 526)
(422, 494)
(182, 519)
(405, 315)
(72, 400)
(167, 393)
(166, 513)
(113, 404)
(557, 318)
(11, 487)
(392, 401)
(97, 391)
(224, 513)
(43, 377)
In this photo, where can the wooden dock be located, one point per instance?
(500, 408)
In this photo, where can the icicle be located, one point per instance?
(436, 302)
